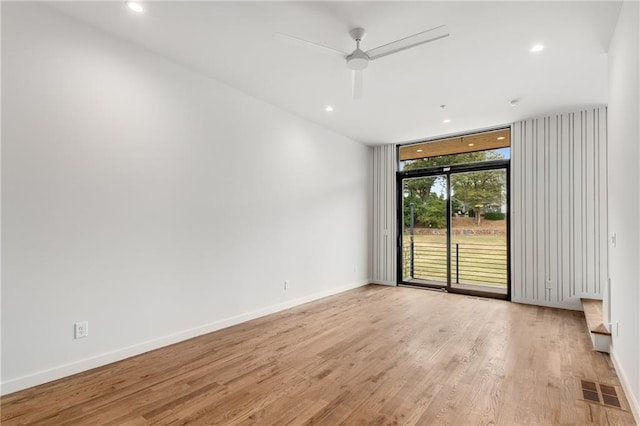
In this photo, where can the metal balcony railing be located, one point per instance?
(471, 263)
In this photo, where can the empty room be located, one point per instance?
(256, 212)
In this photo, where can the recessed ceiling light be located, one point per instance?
(470, 144)
(418, 150)
(136, 7)
(328, 108)
(446, 120)
(500, 138)
(536, 48)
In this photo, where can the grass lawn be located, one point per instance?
(482, 259)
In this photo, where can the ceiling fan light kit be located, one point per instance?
(358, 60)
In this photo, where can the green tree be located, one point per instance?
(433, 213)
(456, 205)
(430, 208)
(417, 203)
(422, 187)
(480, 189)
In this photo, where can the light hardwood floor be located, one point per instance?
(374, 355)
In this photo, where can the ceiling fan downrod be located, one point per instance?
(358, 60)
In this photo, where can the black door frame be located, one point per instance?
(448, 171)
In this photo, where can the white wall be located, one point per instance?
(624, 199)
(153, 202)
(559, 208)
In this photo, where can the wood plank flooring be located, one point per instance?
(375, 355)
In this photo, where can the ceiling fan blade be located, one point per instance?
(303, 42)
(357, 84)
(408, 42)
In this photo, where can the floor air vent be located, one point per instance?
(599, 393)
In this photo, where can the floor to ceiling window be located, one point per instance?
(452, 214)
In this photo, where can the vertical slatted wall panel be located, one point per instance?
(384, 215)
(559, 212)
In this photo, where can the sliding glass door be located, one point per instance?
(454, 229)
(424, 236)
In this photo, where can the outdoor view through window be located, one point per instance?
(454, 214)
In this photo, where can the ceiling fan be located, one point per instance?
(358, 60)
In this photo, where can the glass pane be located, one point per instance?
(424, 236)
(467, 149)
(448, 160)
(479, 231)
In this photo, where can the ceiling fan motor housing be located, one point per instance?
(358, 60)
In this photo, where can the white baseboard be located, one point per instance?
(391, 283)
(634, 404)
(573, 304)
(75, 367)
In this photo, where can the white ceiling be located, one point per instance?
(475, 72)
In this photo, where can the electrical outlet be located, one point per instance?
(617, 329)
(81, 329)
(614, 239)
(287, 284)
(549, 285)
